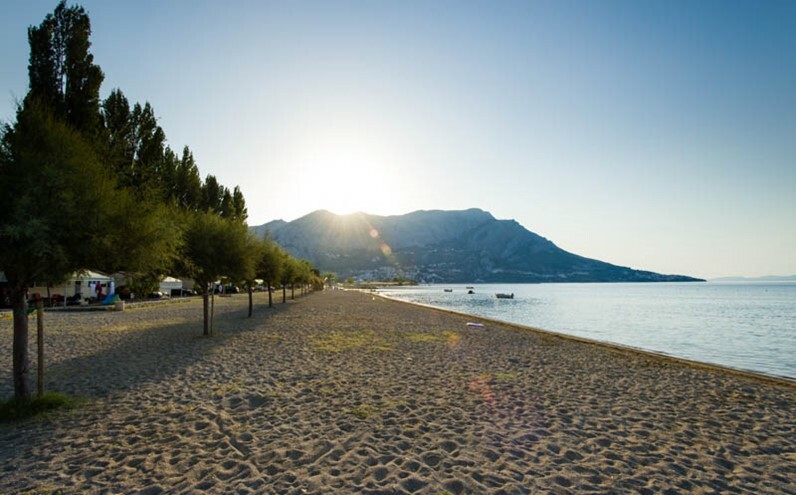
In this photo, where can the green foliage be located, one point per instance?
(90, 184)
(145, 238)
(119, 150)
(239, 205)
(187, 183)
(18, 409)
(57, 205)
(143, 284)
(214, 247)
(400, 280)
(61, 70)
(212, 194)
(270, 266)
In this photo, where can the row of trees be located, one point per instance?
(91, 183)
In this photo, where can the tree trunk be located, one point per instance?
(206, 310)
(213, 308)
(270, 299)
(40, 347)
(284, 294)
(250, 301)
(292, 292)
(21, 358)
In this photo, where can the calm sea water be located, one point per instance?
(750, 326)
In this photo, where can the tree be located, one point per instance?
(212, 192)
(213, 247)
(62, 73)
(289, 270)
(270, 266)
(305, 275)
(117, 121)
(82, 179)
(254, 252)
(227, 209)
(239, 205)
(56, 212)
(187, 183)
(149, 145)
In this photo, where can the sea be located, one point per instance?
(743, 325)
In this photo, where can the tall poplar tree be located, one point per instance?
(62, 72)
(119, 136)
(187, 183)
(61, 209)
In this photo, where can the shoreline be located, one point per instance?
(784, 381)
(342, 392)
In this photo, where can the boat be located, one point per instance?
(501, 295)
(448, 290)
(471, 292)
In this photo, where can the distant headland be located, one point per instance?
(441, 247)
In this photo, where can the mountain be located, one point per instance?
(440, 246)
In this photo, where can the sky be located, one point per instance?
(659, 135)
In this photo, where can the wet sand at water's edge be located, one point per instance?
(342, 392)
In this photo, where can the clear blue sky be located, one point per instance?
(658, 135)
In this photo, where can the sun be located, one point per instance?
(347, 175)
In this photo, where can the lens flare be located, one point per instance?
(480, 387)
(453, 339)
(385, 249)
(374, 233)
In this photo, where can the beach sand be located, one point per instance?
(343, 392)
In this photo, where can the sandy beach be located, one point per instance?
(343, 392)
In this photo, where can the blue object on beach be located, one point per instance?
(110, 299)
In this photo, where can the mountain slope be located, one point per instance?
(440, 246)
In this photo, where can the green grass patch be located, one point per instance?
(15, 410)
(363, 411)
(507, 377)
(424, 337)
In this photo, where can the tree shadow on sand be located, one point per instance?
(139, 358)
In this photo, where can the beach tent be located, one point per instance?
(86, 283)
(169, 284)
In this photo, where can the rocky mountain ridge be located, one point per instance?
(440, 247)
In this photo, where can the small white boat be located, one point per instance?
(501, 295)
